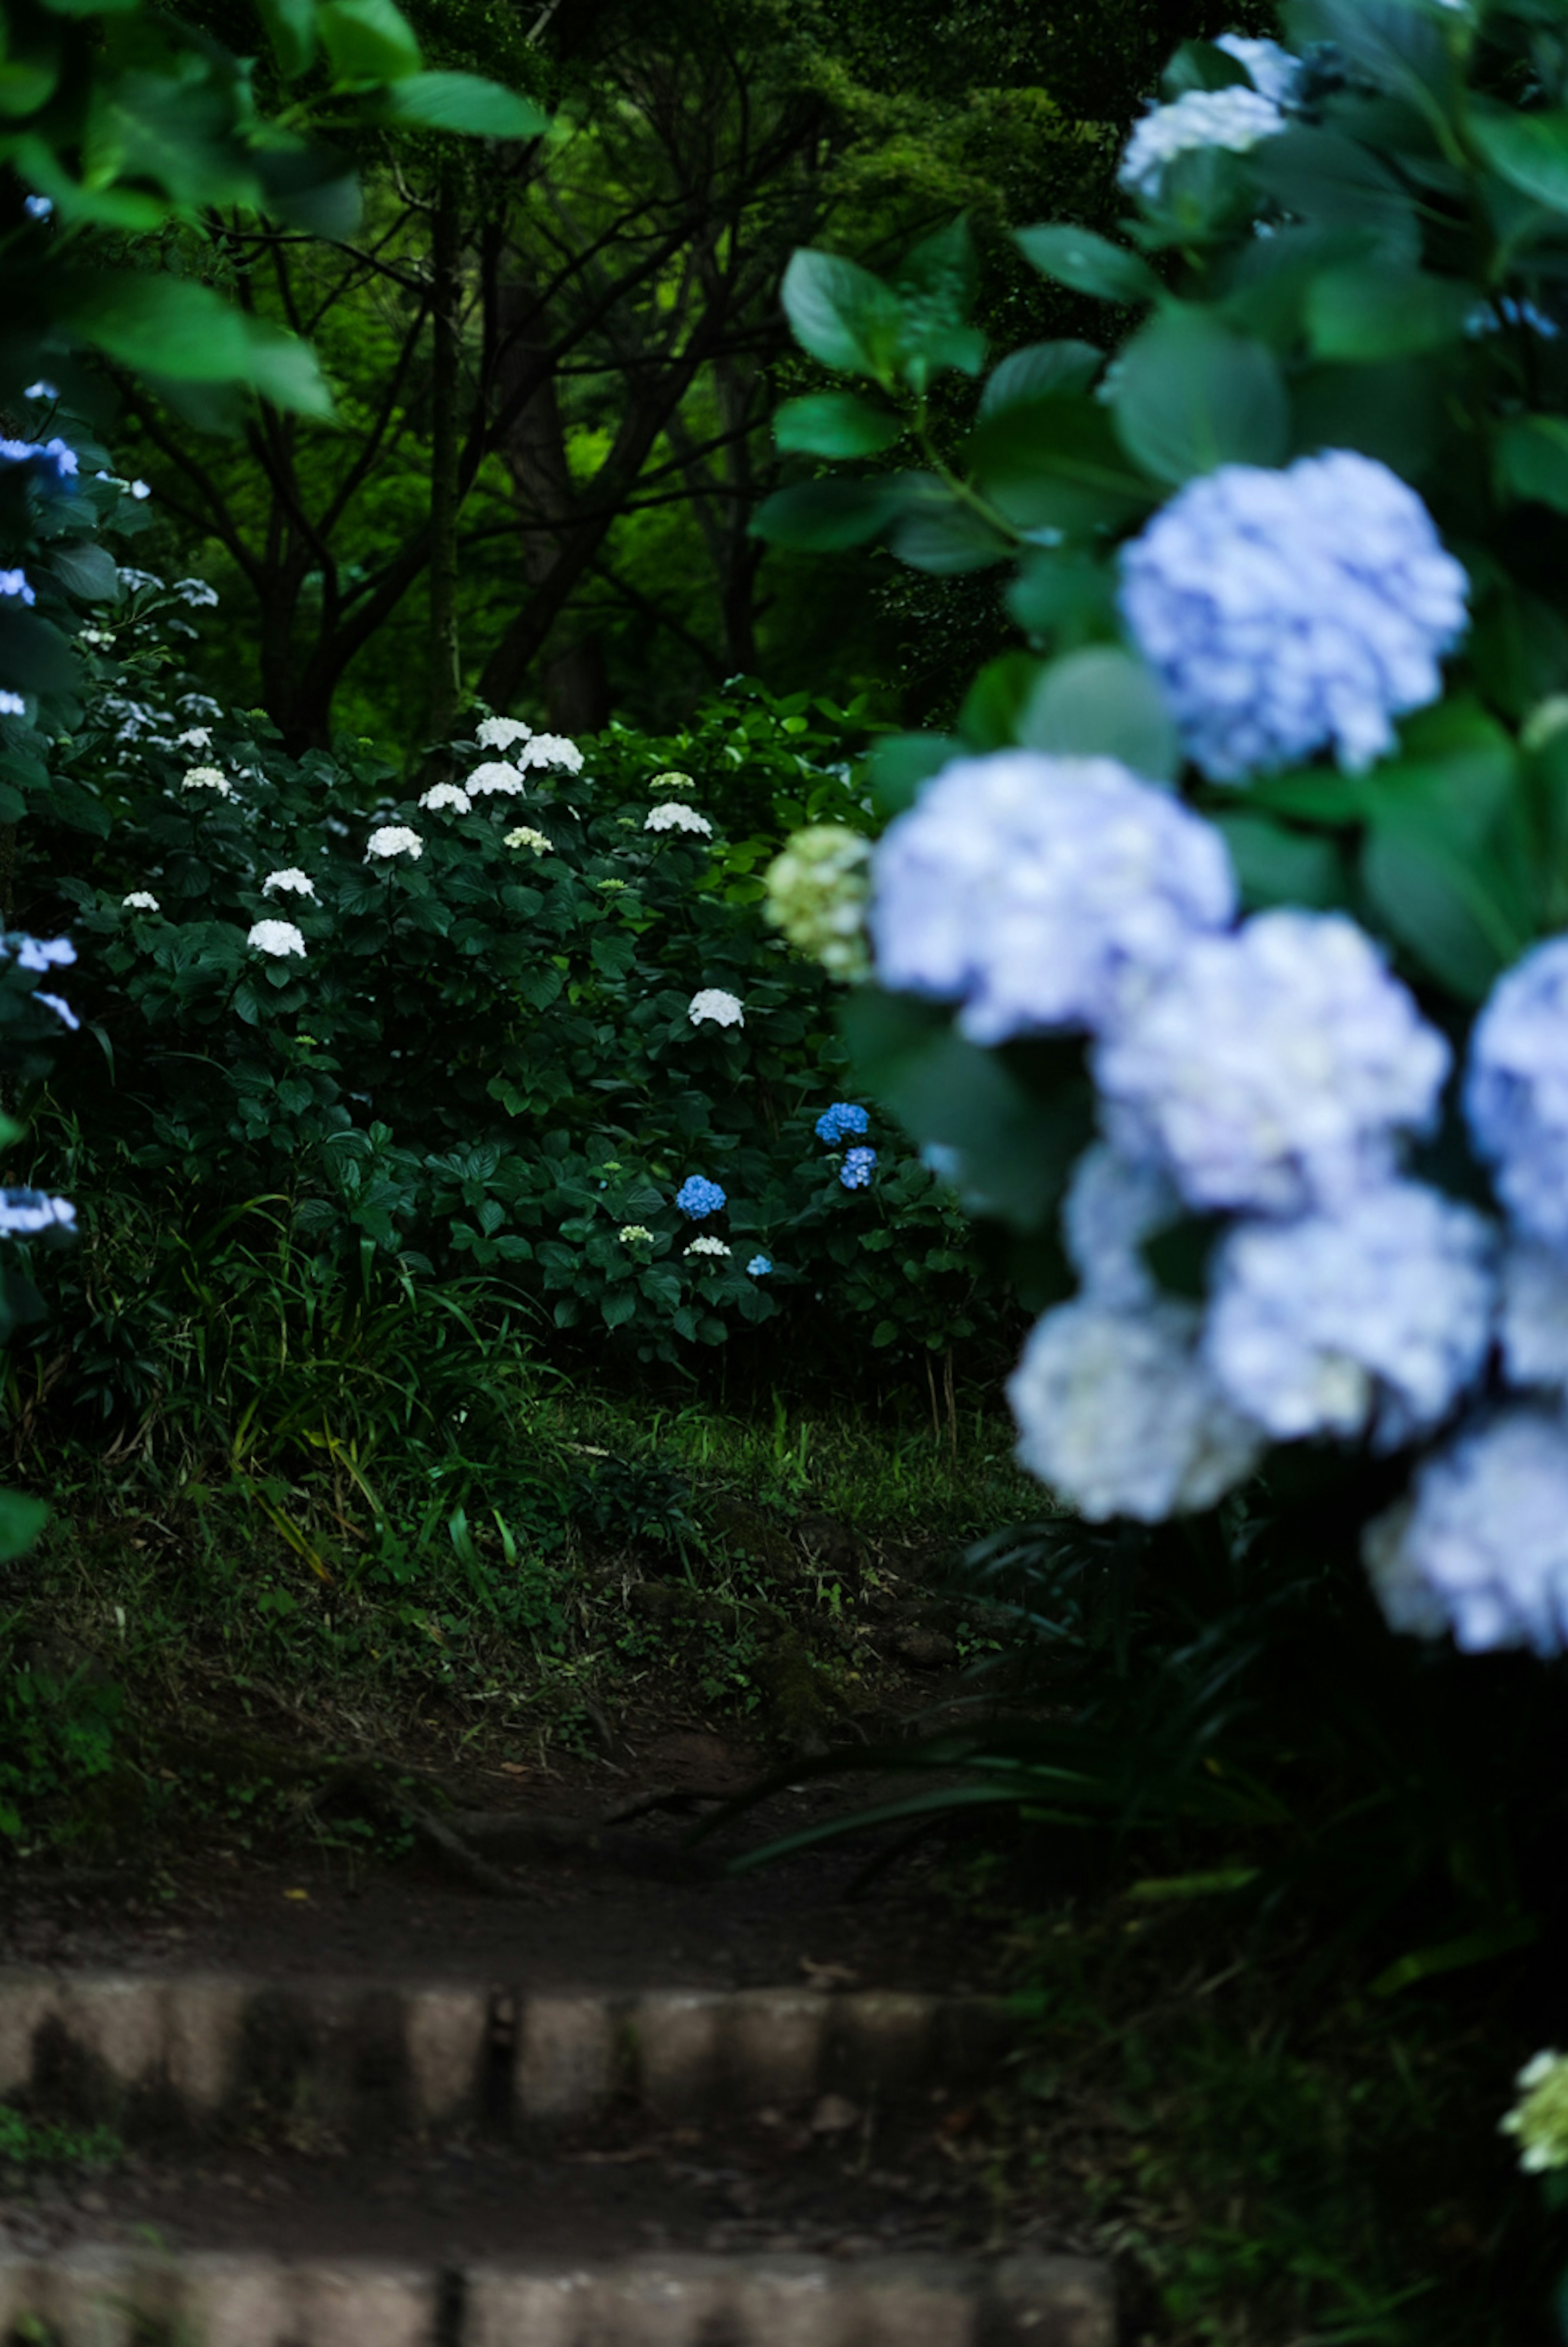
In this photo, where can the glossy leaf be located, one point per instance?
(1374, 310)
(1530, 460)
(1101, 702)
(1088, 263)
(836, 423)
(1057, 464)
(841, 315)
(1039, 371)
(462, 102)
(1529, 151)
(1190, 396)
(368, 40)
(292, 29)
(824, 516)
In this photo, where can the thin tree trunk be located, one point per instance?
(445, 679)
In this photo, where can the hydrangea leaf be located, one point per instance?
(1039, 371)
(1320, 176)
(368, 40)
(1190, 396)
(933, 529)
(1529, 151)
(994, 706)
(1068, 597)
(1530, 460)
(901, 763)
(463, 102)
(836, 423)
(1101, 702)
(826, 516)
(292, 29)
(22, 1520)
(87, 571)
(841, 315)
(1275, 866)
(1091, 264)
(1056, 464)
(1444, 903)
(1198, 64)
(1375, 310)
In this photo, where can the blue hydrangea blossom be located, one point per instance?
(1115, 1203)
(1481, 1545)
(1118, 1413)
(697, 1197)
(759, 1267)
(1293, 611)
(1273, 1069)
(1516, 1091)
(24, 1213)
(1376, 1318)
(843, 1117)
(1237, 118)
(1041, 892)
(856, 1171)
(1269, 68)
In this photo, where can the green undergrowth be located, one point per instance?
(27, 2143)
(182, 1631)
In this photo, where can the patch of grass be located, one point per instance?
(27, 2143)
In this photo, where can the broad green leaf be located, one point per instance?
(1088, 263)
(1530, 460)
(22, 1518)
(1278, 866)
(26, 85)
(292, 29)
(148, 126)
(934, 529)
(994, 706)
(1399, 45)
(836, 423)
(368, 40)
(1335, 182)
(1068, 596)
(1190, 396)
(1375, 310)
(825, 517)
(1057, 465)
(286, 370)
(1101, 702)
(173, 329)
(1529, 151)
(87, 571)
(309, 187)
(936, 286)
(463, 102)
(841, 315)
(1038, 371)
(901, 763)
(1444, 903)
(1198, 64)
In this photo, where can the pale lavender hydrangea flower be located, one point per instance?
(1481, 1545)
(1532, 1323)
(711, 1002)
(1289, 612)
(24, 1213)
(279, 938)
(1516, 1091)
(1378, 1316)
(1041, 892)
(1118, 1415)
(1115, 1203)
(1272, 1070)
(12, 705)
(1237, 118)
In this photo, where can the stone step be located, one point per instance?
(214, 2052)
(115, 2298)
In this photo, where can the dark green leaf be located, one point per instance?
(1056, 464)
(1278, 866)
(1530, 460)
(994, 706)
(823, 517)
(901, 763)
(292, 29)
(1322, 176)
(22, 1520)
(1375, 310)
(463, 102)
(1190, 396)
(934, 529)
(87, 571)
(1038, 371)
(1444, 903)
(1101, 702)
(1065, 597)
(836, 423)
(1529, 151)
(1198, 64)
(842, 314)
(368, 40)
(1088, 263)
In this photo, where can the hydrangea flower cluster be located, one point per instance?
(1042, 893)
(1288, 611)
(818, 888)
(713, 1004)
(1539, 2119)
(279, 938)
(15, 586)
(857, 1169)
(1516, 1091)
(501, 732)
(494, 779)
(1268, 67)
(707, 1246)
(207, 778)
(671, 783)
(551, 751)
(843, 1117)
(290, 882)
(697, 1197)
(140, 900)
(526, 836)
(391, 839)
(1237, 118)
(630, 1232)
(1480, 1545)
(673, 814)
(445, 795)
(759, 1267)
(24, 1214)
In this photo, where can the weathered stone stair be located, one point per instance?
(206, 2070)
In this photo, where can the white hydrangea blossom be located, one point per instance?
(551, 750)
(495, 780)
(290, 882)
(195, 737)
(1235, 118)
(1118, 1415)
(1286, 612)
(673, 814)
(1539, 2119)
(1269, 68)
(630, 1232)
(707, 1246)
(499, 732)
(393, 839)
(445, 795)
(1041, 892)
(207, 778)
(1378, 1316)
(276, 937)
(712, 1002)
(526, 836)
(670, 784)
(1517, 1091)
(1481, 1545)
(140, 900)
(1533, 1320)
(818, 888)
(197, 593)
(1112, 1204)
(1273, 1067)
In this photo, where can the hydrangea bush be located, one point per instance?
(1220, 950)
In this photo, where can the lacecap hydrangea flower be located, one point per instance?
(1379, 1315)
(1479, 1546)
(1237, 118)
(1517, 1091)
(1272, 1070)
(24, 1213)
(1289, 612)
(526, 836)
(494, 779)
(207, 778)
(1539, 2119)
(759, 1267)
(290, 882)
(843, 1117)
(195, 737)
(445, 795)
(501, 732)
(1041, 892)
(706, 1247)
(859, 1165)
(140, 900)
(1118, 1413)
(393, 839)
(673, 814)
(277, 938)
(818, 888)
(712, 1003)
(697, 1197)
